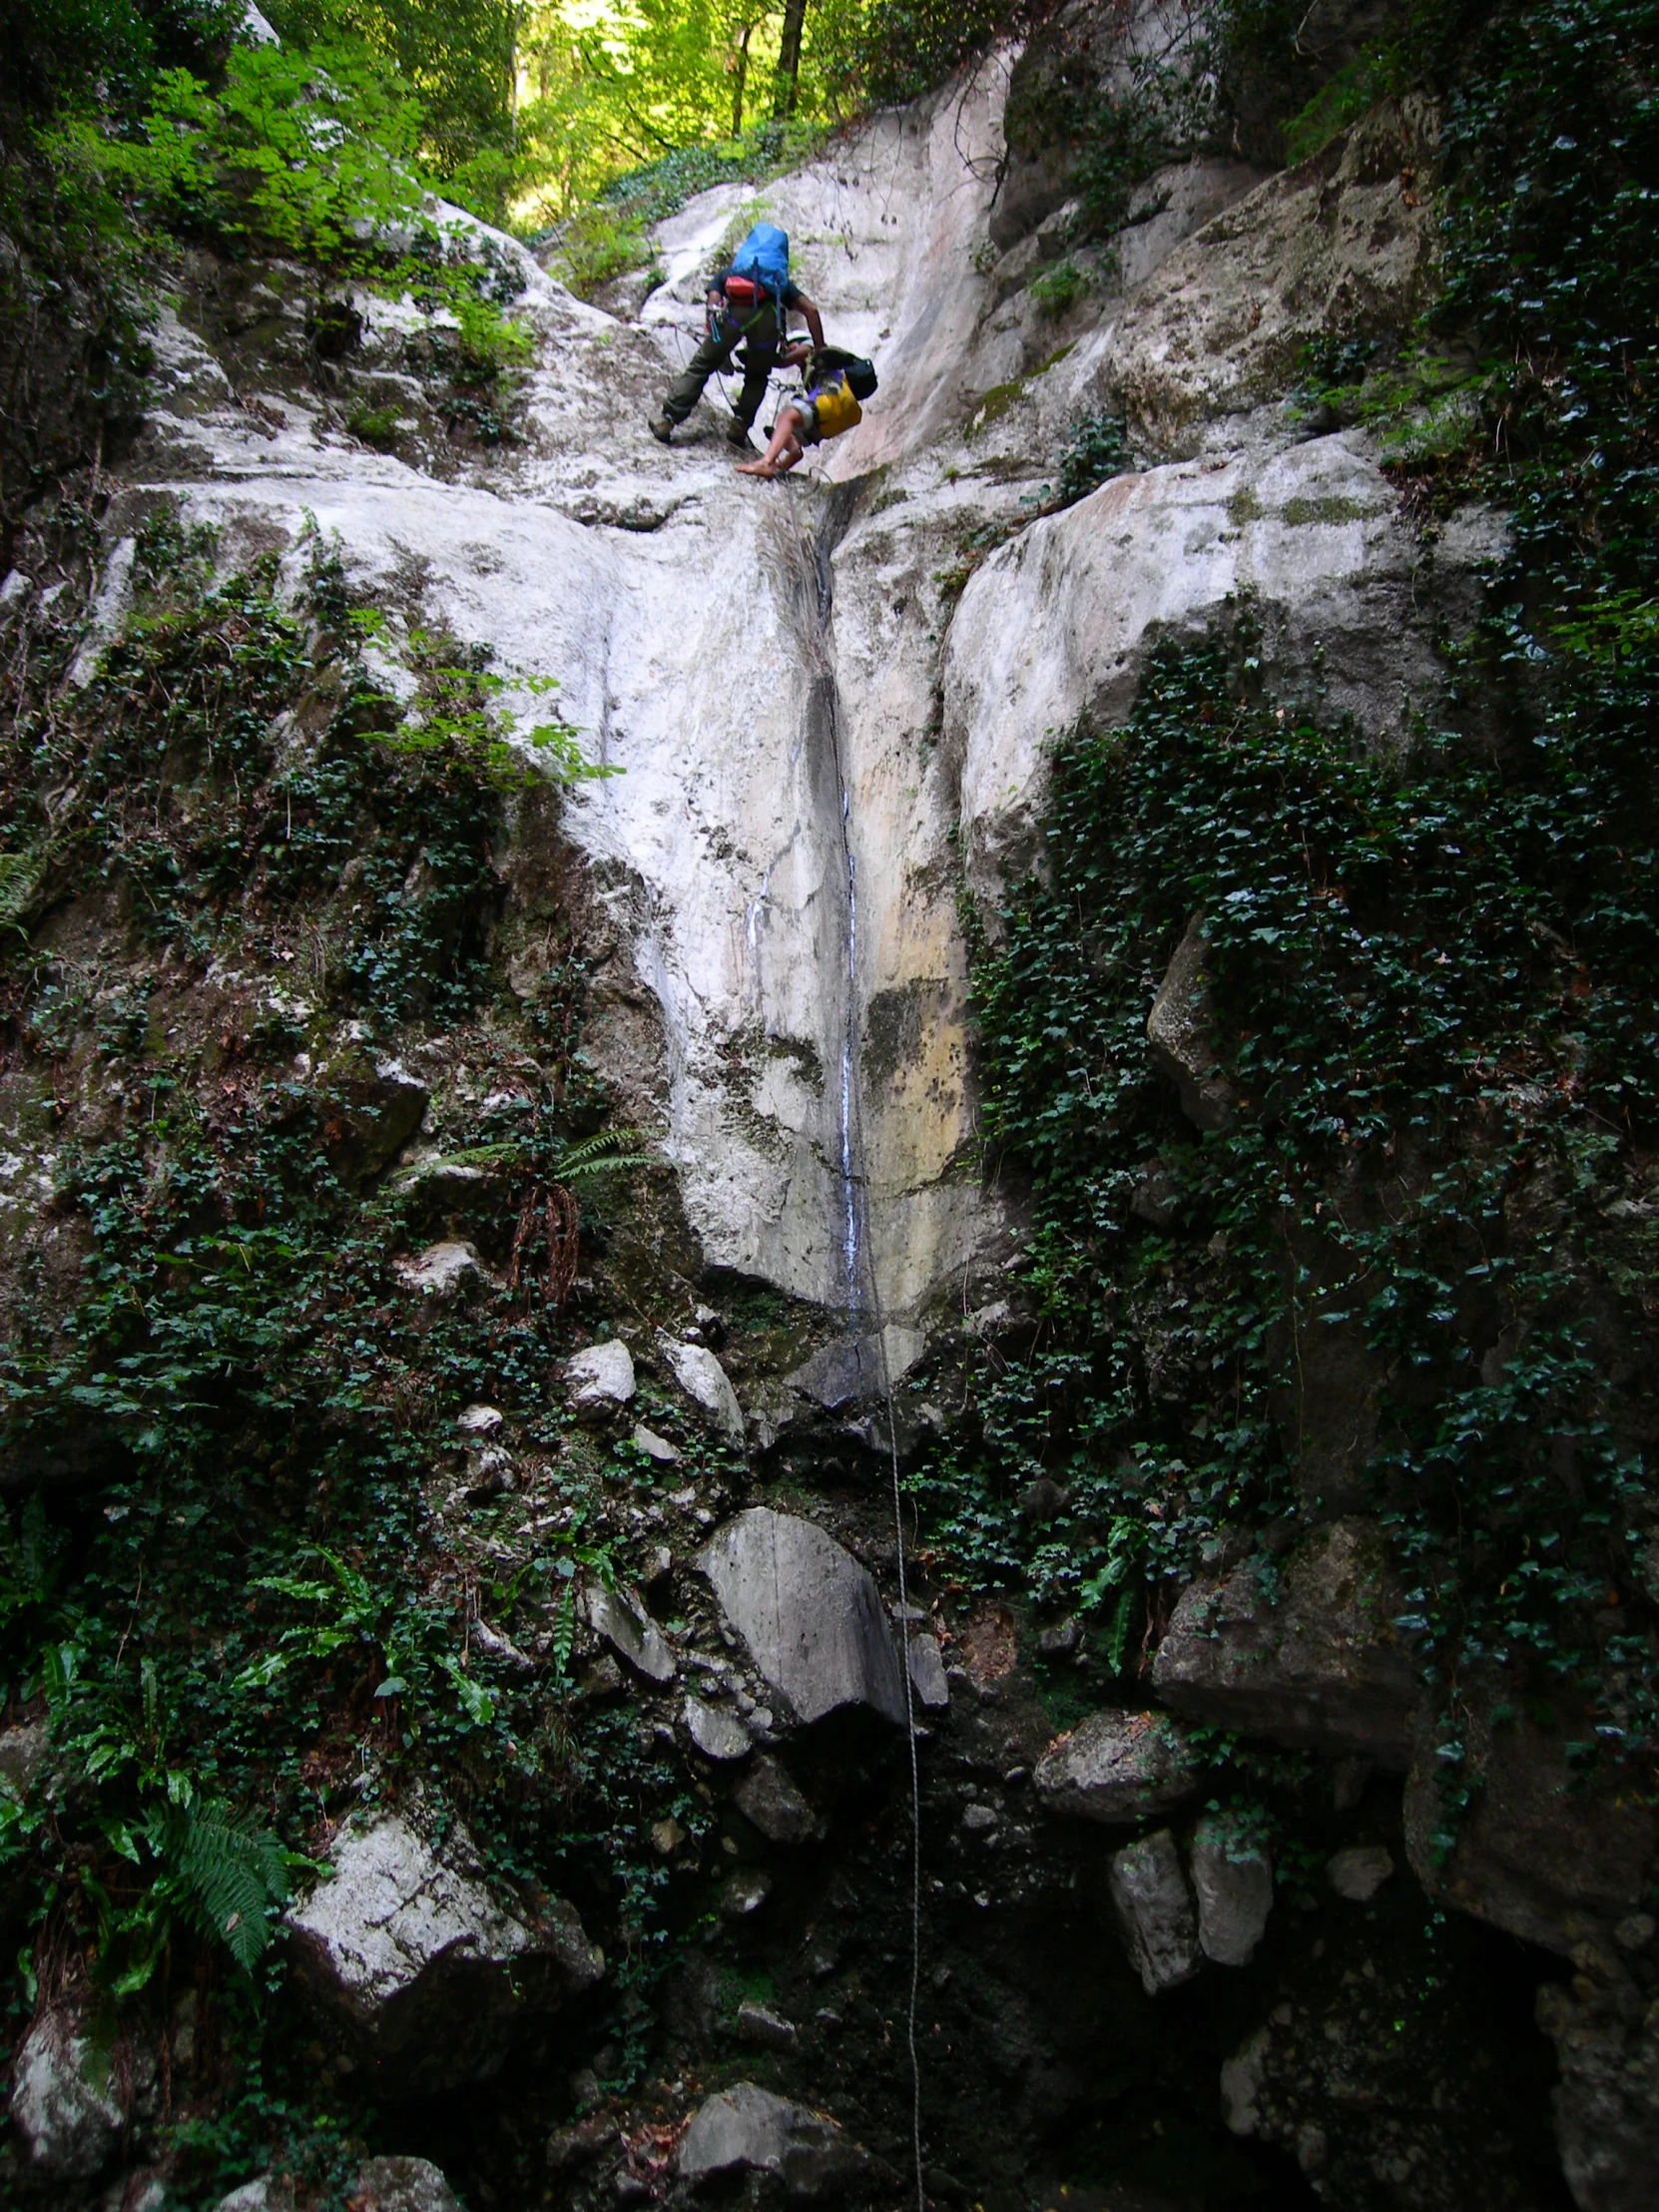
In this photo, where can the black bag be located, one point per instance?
(860, 373)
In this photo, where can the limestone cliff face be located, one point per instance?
(813, 714)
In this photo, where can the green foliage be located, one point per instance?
(1059, 288)
(1336, 104)
(380, 428)
(307, 155)
(1431, 988)
(491, 341)
(1097, 451)
(250, 1615)
(904, 48)
(81, 53)
(597, 244)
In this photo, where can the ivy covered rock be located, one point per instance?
(1117, 1768)
(1308, 1655)
(1178, 1034)
(408, 1950)
(1515, 1822)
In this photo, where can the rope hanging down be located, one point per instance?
(864, 1304)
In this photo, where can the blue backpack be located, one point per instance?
(764, 258)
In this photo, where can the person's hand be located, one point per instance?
(793, 356)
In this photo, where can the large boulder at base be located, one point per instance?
(66, 2104)
(809, 1614)
(749, 2129)
(1233, 1879)
(1307, 1656)
(1607, 2100)
(1178, 1034)
(424, 1962)
(1117, 1768)
(1155, 1911)
(1553, 1853)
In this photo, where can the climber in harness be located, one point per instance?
(749, 304)
(835, 382)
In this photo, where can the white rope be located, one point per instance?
(864, 1300)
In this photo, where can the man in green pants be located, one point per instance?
(740, 314)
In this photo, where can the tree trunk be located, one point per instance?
(740, 77)
(789, 60)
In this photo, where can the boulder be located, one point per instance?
(371, 1108)
(717, 1731)
(1155, 1911)
(655, 1446)
(1553, 1852)
(809, 1614)
(441, 1271)
(743, 1894)
(852, 1369)
(749, 2129)
(1359, 1872)
(426, 1966)
(23, 1751)
(628, 1628)
(704, 1380)
(1117, 1768)
(1233, 1879)
(383, 2185)
(1607, 2100)
(600, 1378)
(927, 1676)
(766, 2029)
(65, 2102)
(1311, 1660)
(768, 1798)
(262, 2194)
(402, 2185)
(1178, 1033)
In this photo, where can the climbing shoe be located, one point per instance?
(737, 434)
(661, 428)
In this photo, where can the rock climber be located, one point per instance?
(749, 304)
(835, 382)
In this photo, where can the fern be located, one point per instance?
(228, 1873)
(20, 875)
(604, 1154)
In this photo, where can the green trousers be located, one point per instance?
(760, 356)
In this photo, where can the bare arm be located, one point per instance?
(814, 322)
